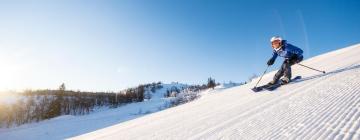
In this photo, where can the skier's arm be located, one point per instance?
(274, 55)
(272, 59)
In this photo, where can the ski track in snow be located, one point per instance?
(315, 121)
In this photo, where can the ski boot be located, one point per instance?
(284, 81)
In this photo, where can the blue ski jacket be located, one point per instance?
(287, 51)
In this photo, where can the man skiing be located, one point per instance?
(292, 55)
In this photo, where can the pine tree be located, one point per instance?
(211, 83)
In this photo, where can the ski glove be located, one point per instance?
(294, 59)
(270, 62)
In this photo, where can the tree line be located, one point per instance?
(38, 105)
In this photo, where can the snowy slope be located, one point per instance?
(320, 106)
(68, 126)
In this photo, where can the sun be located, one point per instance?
(10, 74)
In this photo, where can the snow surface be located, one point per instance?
(320, 106)
(68, 126)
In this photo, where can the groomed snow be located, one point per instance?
(320, 106)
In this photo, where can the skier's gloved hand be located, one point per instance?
(287, 60)
(294, 59)
(299, 59)
(270, 62)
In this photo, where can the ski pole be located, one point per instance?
(262, 76)
(311, 68)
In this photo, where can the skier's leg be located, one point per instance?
(287, 72)
(287, 68)
(279, 73)
(288, 64)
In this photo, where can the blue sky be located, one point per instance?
(104, 45)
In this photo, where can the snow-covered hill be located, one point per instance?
(320, 106)
(67, 125)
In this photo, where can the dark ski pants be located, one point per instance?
(285, 69)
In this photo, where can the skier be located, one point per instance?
(292, 55)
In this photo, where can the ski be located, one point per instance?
(272, 87)
(260, 88)
(277, 85)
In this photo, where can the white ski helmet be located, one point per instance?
(276, 38)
